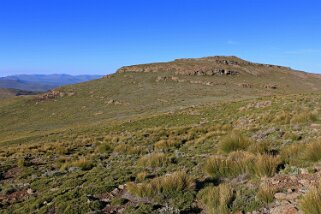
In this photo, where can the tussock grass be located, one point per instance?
(233, 142)
(291, 154)
(298, 153)
(304, 117)
(141, 176)
(266, 165)
(312, 151)
(265, 194)
(260, 147)
(169, 143)
(241, 162)
(235, 164)
(311, 202)
(217, 199)
(155, 160)
(83, 163)
(283, 117)
(168, 184)
(103, 148)
(128, 149)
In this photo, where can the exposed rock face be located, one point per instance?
(208, 66)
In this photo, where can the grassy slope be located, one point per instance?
(139, 95)
(43, 141)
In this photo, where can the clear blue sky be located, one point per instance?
(99, 36)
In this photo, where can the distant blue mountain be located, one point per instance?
(40, 82)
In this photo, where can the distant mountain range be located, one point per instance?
(40, 82)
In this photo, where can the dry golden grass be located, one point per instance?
(235, 164)
(265, 194)
(216, 198)
(141, 176)
(312, 151)
(241, 162)
(266, 165)
(234, 142)
(154, 160)
(175, 182)
(311, 202)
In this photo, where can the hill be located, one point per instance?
(9, 92)
(42, 82)
(215, 134)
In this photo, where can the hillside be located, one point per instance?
(211, 135)
(42, 83)
(8, 93)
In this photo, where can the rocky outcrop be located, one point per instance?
(208, 66)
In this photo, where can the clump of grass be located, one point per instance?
(217, 199)
(233, 142)
(241, 162)
(260, 147)
(311, 202)
(103, 148)
(304, 117)
(169, 143)
(312, 151)
(128, 149)
(83, 164)
(21, 162)
(235, 164)
(291, 154)
(283, 117)
(165, 185)
(265, 194)
(141, 176)
(155, 160)
(266, 165)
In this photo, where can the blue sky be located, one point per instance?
(99, 36)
